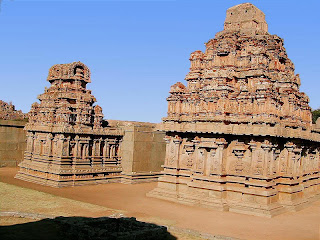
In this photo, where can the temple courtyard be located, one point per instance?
(183, 221)
(237, 156)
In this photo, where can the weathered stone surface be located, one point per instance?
(142, 148)
(142, 151)
(245, 17)
(67, 143)
(8, 112)
(239, 135)
(12, 142)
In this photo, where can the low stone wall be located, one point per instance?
(142, 150)
(12, 142)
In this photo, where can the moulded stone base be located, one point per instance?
(180, 193)
(140, 177)
(263, 206)
(256, 209)
(25, 176)
(299, 204)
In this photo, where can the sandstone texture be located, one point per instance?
(8, 112)
(239, 135)
(67, 143)
(12, 142)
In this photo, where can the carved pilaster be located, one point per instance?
(238, 166)
(49, 145)
(267, 158)
(200, 155)
(219, 156)
(257, 159)
(289, 146)
(107, 149)
(77, 147)
(174, 152)
(104, 151)
(296, 165)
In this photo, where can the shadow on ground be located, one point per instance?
(83, 228)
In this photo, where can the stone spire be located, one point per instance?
(243, 76)
(67, 103)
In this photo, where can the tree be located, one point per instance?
(315, 115)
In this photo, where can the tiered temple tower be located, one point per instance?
(239, 135)
(8, 112)
(67, 142)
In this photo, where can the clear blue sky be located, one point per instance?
(136, 49)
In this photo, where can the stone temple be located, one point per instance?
(67, 142)
(239, 136)
(8, 112)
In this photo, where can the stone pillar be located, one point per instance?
(112, 151)
(107, 149)
(49, 145)
(275, 161)
(167, 140)
(104, 151)
(175, 152)
(200, 155)
(94, 146)
(29, 141)
(267, 158)
(296, 171)
(219, 156)
(77, 148)
(290, 157)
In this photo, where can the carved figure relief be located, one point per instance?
(201, 157)
(215, 165)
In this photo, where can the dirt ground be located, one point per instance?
(131, 200)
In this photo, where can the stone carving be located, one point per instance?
(67, 144)
(255, 149)
(8, 112)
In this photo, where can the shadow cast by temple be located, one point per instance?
(83, 228)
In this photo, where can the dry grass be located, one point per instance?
(14, 198)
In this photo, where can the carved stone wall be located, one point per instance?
(239, 135)
(69, 143)
(66, 142)
(8, 112)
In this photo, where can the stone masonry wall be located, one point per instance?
(142, 151)
(12, 142)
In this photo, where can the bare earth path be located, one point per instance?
(131, 199)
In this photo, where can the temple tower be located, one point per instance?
(67, 140)
(239, 134)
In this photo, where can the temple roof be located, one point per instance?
(75, 70)
(245, 16)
